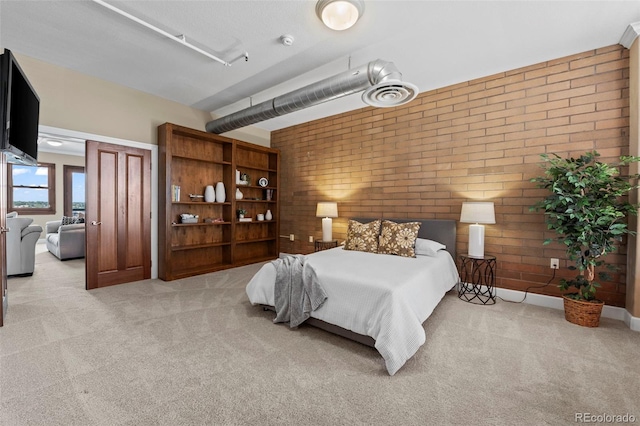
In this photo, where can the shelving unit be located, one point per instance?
(193, 159)
(257, 239)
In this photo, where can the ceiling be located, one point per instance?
(433, 43)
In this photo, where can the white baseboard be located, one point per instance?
(632, 322)
(612, 312)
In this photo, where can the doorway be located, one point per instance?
(80, 137)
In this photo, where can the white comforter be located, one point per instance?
(383, 296)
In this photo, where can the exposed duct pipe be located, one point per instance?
(380, 79)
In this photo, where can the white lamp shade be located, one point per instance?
(327, 209)
(477, 212)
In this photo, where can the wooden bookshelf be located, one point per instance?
(192, 159)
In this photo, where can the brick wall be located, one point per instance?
(478, 140)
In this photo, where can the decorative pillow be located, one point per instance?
(362, 236)
(68, 220)
(12, 215)
(428, 247)
(398, 238)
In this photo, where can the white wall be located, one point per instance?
(71, 100)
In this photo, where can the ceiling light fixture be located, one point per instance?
(339, 14)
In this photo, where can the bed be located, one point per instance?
(377, 299)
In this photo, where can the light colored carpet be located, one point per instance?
(194, 351)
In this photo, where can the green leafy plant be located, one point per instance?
(241, 212)
(586, 208)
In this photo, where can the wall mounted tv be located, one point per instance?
(19, 113)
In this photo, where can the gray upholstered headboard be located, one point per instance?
(441, 230)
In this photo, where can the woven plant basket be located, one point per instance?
(586, 314)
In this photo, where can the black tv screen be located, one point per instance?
(19, 110)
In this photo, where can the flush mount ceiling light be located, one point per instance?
(339, 14)
(49, 141)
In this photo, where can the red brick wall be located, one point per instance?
(478, 140)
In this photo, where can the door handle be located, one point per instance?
(3, 230)
(94, 223)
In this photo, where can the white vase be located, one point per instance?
(209, 194)
(221, 196)
(239, 194)
(268, 215)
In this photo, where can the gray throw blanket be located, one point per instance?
(297, 291)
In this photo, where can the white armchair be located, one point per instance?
(65, 241)
(21, 245)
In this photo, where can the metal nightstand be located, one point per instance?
(477, 279)
(323, 245)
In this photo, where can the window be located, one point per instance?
(32, 189)
(73, 190)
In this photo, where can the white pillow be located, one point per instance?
(428, 247)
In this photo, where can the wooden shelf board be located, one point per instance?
(184, 157)
(202, 203)
(264, 169)
(255, 240)
(201, 224)
(189, 272)
(254, 221)
(255, 201)
(200, 246)
(256, 187)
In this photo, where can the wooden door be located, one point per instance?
(118, 214)
(3, 237)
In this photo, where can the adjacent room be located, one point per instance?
(319, 212)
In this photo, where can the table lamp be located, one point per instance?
(327, 210)
(477, 213)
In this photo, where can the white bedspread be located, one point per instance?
(383, 296)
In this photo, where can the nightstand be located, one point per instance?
(323, 245)
(477, 279)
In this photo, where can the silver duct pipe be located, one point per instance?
(381, 79)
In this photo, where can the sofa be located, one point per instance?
(65, 241)
(21, 245)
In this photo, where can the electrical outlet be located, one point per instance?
(310, 238)
(292, 237)
(554, 264)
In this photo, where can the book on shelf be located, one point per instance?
(175, 193)
(245, 219)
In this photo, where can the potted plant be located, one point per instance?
(586, 208)
(241, 213)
